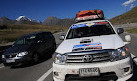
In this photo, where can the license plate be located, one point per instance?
(9, 61)
(89, 72)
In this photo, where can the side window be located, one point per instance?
(47, 35)
(44, 35)
(20, 41)
(50, 35)
(39, 37)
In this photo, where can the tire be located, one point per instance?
(6, 65)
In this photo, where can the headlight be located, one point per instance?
(3, 56)
(22, 54)
(59, 58)
(119, 54)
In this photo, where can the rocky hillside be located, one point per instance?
(5, 20)
(128, 17)
(56, 21)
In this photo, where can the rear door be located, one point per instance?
(47, 40)
(41, 43)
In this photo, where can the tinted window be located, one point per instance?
(40, 37)
(25, 40)
(47, 35)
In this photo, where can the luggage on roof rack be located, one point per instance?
(89, 15)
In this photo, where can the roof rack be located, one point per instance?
(89, 15)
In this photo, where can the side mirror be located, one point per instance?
(62, 37)
(128, 39)
(120, 30)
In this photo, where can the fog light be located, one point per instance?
(126, 69)
(56, 73)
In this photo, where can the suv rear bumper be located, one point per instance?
(118, 67)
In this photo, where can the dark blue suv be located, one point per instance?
(29, 48)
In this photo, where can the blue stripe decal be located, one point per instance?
(82, 25)
(78, 26)
(90, 44)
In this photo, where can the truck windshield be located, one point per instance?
(25, 40)
(94, 30)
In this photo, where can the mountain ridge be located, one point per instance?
(51, 20)
(5, 20)
(128, 17)
(20, 20)
(24, 18)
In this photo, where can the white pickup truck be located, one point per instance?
(92, 50)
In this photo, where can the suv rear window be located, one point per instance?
(93, 30)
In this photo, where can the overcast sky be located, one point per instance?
(41, 9)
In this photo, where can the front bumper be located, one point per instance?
(15, 60)
(105, 67)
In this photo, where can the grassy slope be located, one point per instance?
(128, 17)
(14, 31)
(132, 30)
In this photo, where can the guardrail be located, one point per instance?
(128, 25)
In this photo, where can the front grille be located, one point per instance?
(103, 77)
(97, 57)
(10, 56)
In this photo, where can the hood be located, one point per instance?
(16, 49)
(101, 42)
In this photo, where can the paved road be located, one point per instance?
(43, 70)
